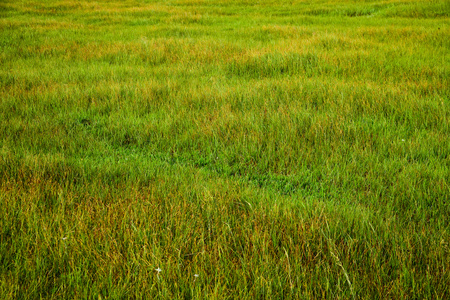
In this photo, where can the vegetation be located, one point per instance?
(224, 149)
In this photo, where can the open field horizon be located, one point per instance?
(225, 149)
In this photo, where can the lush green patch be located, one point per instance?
(247, 149)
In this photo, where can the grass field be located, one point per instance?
(230, 149)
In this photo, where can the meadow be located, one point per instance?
(229, 149)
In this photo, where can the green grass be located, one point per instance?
(248, 149)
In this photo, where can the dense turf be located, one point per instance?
(224, 149)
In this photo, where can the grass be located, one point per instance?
(248, 150)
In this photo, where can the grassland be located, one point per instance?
(246, 149)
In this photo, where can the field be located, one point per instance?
(229, 149)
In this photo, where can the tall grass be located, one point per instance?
(224, 149)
